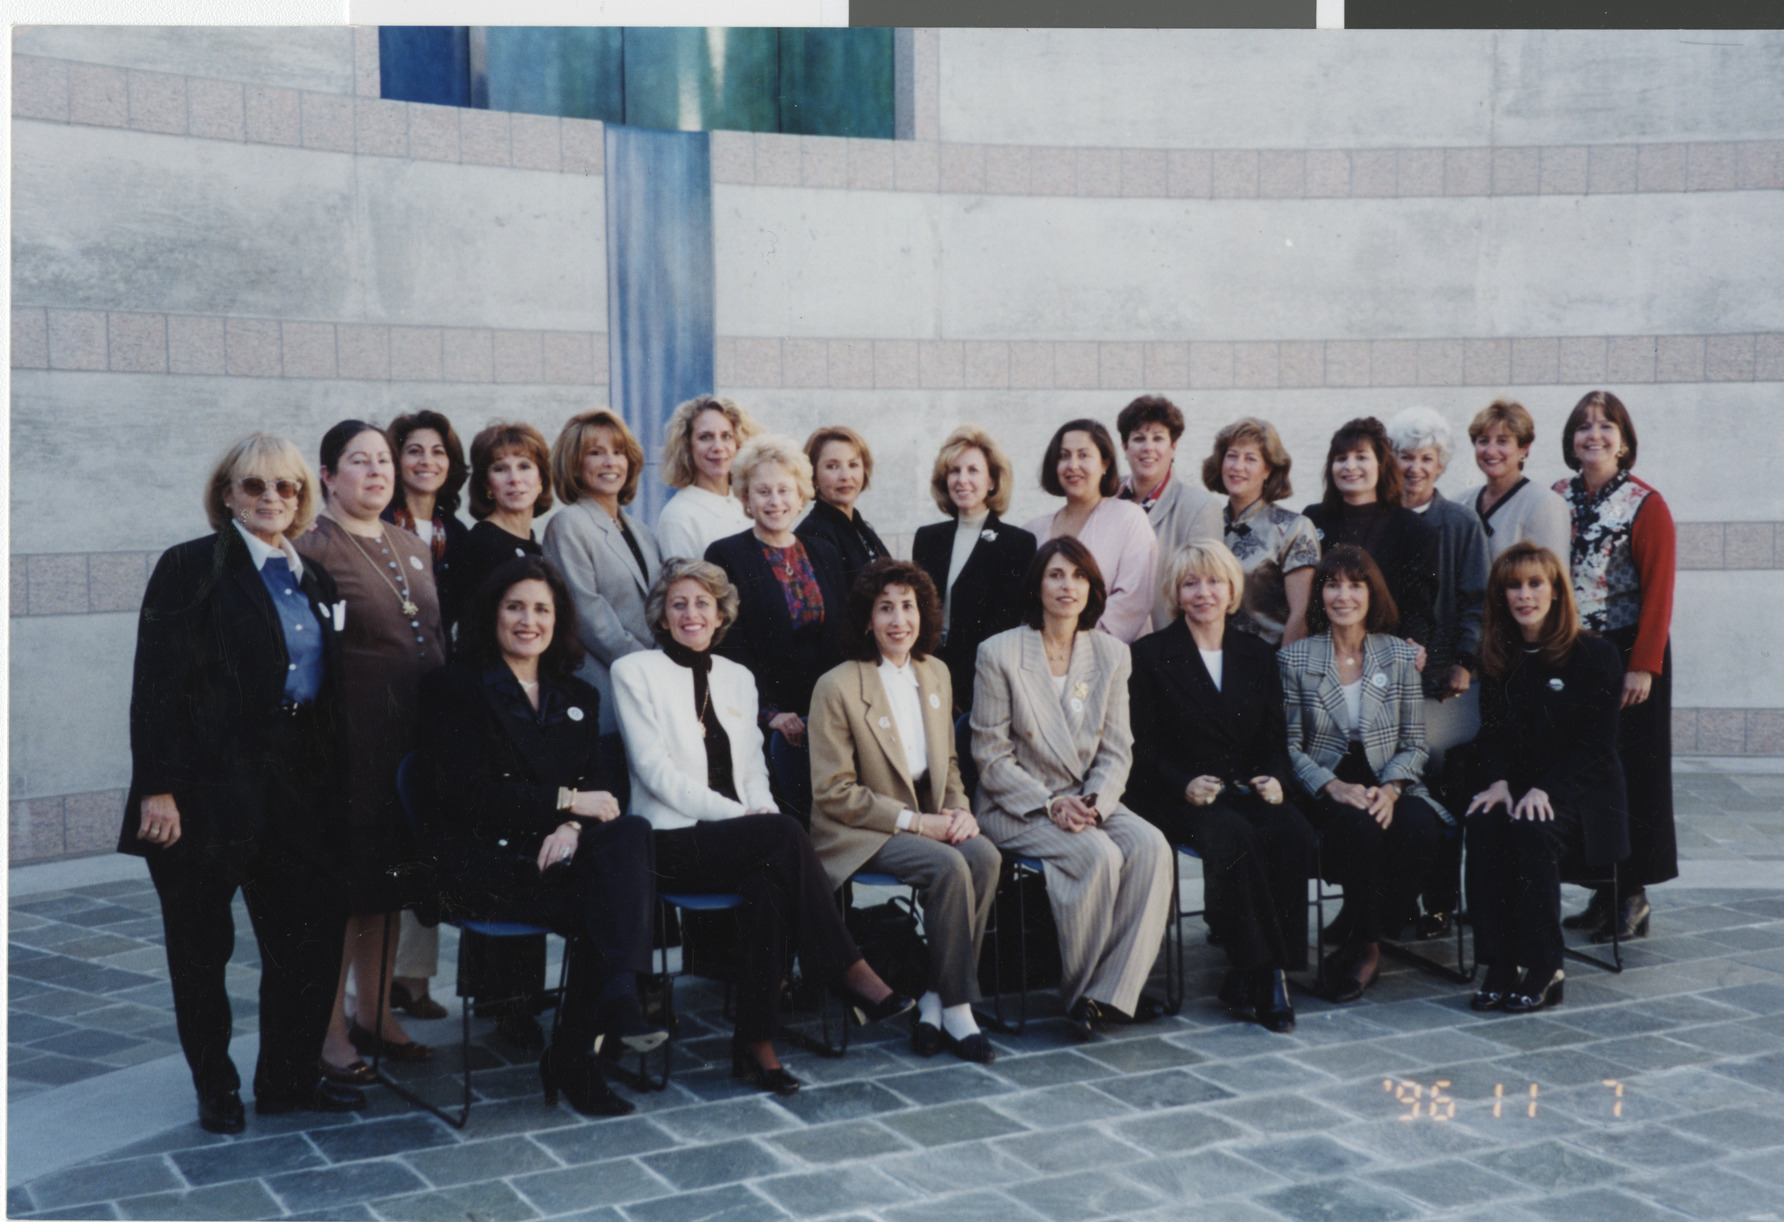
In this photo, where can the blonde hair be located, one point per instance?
(678, 439)
(971, 437)
(1209, 558)
(767, 448)
(1262, 434)
(711, 578)
(814, 448)
(276, 458)
(573, 442)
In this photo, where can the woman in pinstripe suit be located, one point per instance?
(1053, 747)
(1356, 738)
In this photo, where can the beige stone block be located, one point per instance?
(1516, 171)
(1301, 363)
(1373, 173)
(1053, 171)
(851, 363)
(824, 161)
(1679, 358)
(1563, 170)
(1167, 365)
(433, 132)
(733, 157)
(517, 357)
(1535, 361)
(1769, 358)
(1468, 171)
(871, 165)
(724, 361)
(35, 829)
(98, 95)
(272, 116)
(362, 351)
(1210, 365)
(39, 88)
(1031, 365)
(1721, 731)
(1611, 169)
(1420, 172)
(380, 128)
(1281, 174)
(805, 362)
(962, 168)
(1347, 362)
(1008, 169)
(1075, 365)
(1729, 358)
(251, 348)
(1698, 545)
(327, 120)
(895, 364)
(536, 143)
(309, 349)
(916, 165)
(941, 364)
(1256, 364)
(21, 584)
(758, 362)
(116, 580)
(1661, 167)
(1486, 362)
(467, 355)
(1684, 731)
(1712, 166)
(195, 344)
(985, 365)
(91, 821)
(484, 137)
(1098, 171)
(1761, 165)
(158, 103)
(214, 109)
(1747, 545)
(58, 584)
(1328, 173)
(1583, 360)
(415, 352)
(1393, 362)
(1234, 174)
(30, 339)
(77, 339)
(1765, 732)
(584, 143)
(1189, 174)
(567, 358)
(136, 343)
(1630, 358)
(777, 160)
(1121, 366)
(1144, 172)
(367, 76)
(1439, 362)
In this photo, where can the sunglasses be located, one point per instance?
(256, 487)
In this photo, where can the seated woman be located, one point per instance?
(886, 792)
(1051, 739)
(1211, 757)
(1356, 738)
(1548, 744)
(527, 828)
(688, 718)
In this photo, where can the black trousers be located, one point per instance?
(1644, 745)
(600, 901)
(769, 861)
(1380, 869)
(1514, 886)
(1256, 860)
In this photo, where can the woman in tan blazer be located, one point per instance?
(886, 792)
(1051, 739)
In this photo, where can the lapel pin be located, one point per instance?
(1077, 705)
(340, 615)
(1556, 685)
(988, 534)
(1381, 679)
(885, 723)
(1082, 690)
(415, 563)
(935, 701)
(573, 713)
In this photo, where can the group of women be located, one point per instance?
(756, 697)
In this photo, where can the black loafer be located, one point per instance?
(1549, 994)
(863, 1011)
(1085, 1016)
(975, 1048)
(926, 1039)
(222, 1112)
(323, 1097)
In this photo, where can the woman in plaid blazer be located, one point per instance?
(1356, 738)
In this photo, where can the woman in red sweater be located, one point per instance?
(1623, 561)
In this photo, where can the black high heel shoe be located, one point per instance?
(746, 1069)
(1594, 915)
(580, 1080)
(863, 1011)
(1631, 918)
(1494, 988)
(1274, 1010)
(1524, 1002)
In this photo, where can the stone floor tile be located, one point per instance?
(1441, 1047)
(1167, 1089)
(978, 1206)
(942, 1169)
(1057, 1106)
(1599, 1205)
(1610, 1022)
(1650, 1053)
(105, 1181)
(724, 1162)
(337, 1213)
(1733, 1128)
(1263, 1073)
(1761, 998)
(1703, 1089)
(1549, 1166)
(603, 1139)
(1184, 1129)
(1648, 1146)
(78, 1211)
(1562, 1067)
(1279, 1113)
(844, 1101)
(335, 1187)
(86, 1043)
(490, 1201)
(733, 1203)
(951, 1122)
(1074, 1149)
(1200, 1175)
(496, 1158)
(242, 1160)
(1352, 1202)
(615, 1182)
(53, 1070)
(1084, 1195)
(721, 1121)
(1303, 1158)
(1050, 1069)
(1765, 1166)
(380, 1138)
(1728, 1039)
(829, 1144)
(814, 1193)
(1449, 1183)
(949, 1084)
(245, 1199)
(1139, 1055)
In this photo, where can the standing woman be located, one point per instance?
(842, 469)
(976, 560)
(1555, 796)
(1509, 506)
(790, 591)
(1051, 740)
(510, 486)
(887, 797)
(1080, 466)
(1362, 507)
(1211, 760)
(237, 754)
(1356, 738)
(699, 443)
(1622, 561)
(1180, 513)
(608, 557)
(1275, 547)
(390, 636)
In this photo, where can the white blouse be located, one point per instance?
(900, 683)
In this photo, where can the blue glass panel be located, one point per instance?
(659, 283)
(574, 71)
(837, 82)
(425, 63)
(702, 79)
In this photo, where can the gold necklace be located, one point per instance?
(410, 610)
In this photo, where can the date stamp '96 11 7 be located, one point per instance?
(1433, 1103)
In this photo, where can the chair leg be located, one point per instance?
(1174, 942)
(1614, 964)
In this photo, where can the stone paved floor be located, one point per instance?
(1655, 1094)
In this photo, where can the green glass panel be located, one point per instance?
(702, 79)
(574, 71)
(837, 82)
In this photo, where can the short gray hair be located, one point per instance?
(711, 578)
(1418, 427)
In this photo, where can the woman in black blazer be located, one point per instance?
(842, 469)
(1555, 797)
(237, 742)
(977, 561)
(527, 828)
(431, 461)
(1210, 769)
(789, 621)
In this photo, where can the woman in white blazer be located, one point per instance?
(698, 775)
(1053, 748)
(608, 557)
(1356, 740)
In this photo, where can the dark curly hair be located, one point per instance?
(457, 471)
(1068, 546)
(477, 627)
(1353, 564)
(858, 609)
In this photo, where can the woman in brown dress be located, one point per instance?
(388, 621)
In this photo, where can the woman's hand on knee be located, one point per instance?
(1348, 794)
(560, 846)
(1496, 794)
(1203, 790)
(961, 825)
(1268, 788)
(1381, 803)
(1535, 806)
